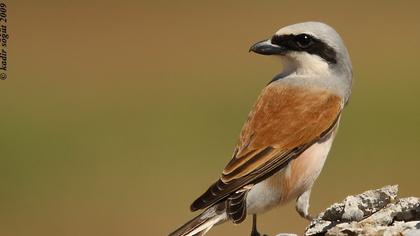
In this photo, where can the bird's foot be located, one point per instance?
(256, 233)
(307, 216)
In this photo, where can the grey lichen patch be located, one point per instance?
(405, 209)
(373, 212)
(359, 206)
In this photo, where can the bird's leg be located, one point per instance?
(254, 231)
(302, 205)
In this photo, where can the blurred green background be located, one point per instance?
(116, 115)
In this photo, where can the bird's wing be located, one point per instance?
(283, 123)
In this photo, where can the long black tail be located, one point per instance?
(202, 223)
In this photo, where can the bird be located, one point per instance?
(288, 133)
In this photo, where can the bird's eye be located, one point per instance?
(303, 40)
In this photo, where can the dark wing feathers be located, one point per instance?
(220, 190)
(236, 206)
(284, 122)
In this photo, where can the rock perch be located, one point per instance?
(374, 212)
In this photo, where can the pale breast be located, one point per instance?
(292, 181)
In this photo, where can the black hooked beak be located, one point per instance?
(265, 47)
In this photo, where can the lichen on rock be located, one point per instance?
(374, 212)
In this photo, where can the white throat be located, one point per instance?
(304, 64)
(311, 71)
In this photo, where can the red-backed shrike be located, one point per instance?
(289, 131)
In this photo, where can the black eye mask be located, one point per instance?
(306, 43)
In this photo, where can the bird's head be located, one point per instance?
(307, 48)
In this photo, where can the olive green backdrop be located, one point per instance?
(116, 115)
